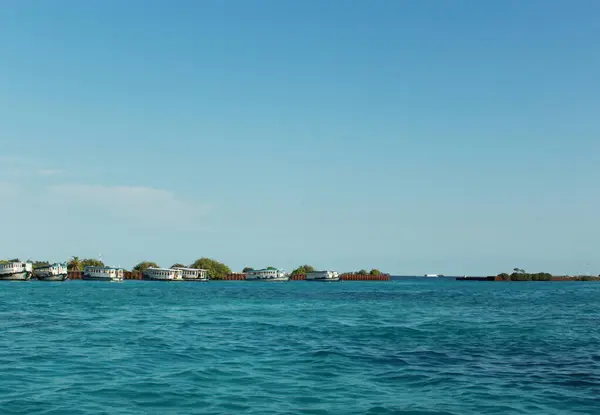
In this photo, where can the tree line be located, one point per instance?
(519, 274)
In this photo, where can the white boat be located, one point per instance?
(268, 274)
(96, 273)
(53, 272)
(433, 275)
(323, 276)
(16, 271)
(162, 274)
(193, 274)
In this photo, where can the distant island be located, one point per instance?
(519, 274)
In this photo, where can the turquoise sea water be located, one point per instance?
(399, 347)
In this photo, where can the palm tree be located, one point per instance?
(74, 264)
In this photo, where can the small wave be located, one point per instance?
(418, 348)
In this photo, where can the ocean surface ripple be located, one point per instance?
(400, 347)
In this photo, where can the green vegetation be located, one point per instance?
(216, 270)
(91, 262)
(6, 261)
(247, 269)
(144, 265)
(178, 265)
(303, 270)
(39, 264)
(363, 272)
(76, 264)
(519, 274)
(523, 276)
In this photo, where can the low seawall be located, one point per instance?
(490, 278)
(74, 275)
(581, 278)
(349, 277)
(363, 277)
(132, 275)
(302, 277)
(235, 276)
(299, 277)
(239, 276)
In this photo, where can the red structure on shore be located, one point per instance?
(74, 275)
(132, 275)
(364, 277)
(298, 277)
(235, 276)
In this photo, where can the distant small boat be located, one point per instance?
(323, 276)
(269, 274)
(54, 272)
(96, 273)
(433, 275)
(16, 271)
(162, 274)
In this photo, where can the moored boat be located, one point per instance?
(193, 274)
(323, 276)
(162, 274)
(96, 273)
(267, 274)
(16, 271)
(53, 272)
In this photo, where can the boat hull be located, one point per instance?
(269, 279)
(58, 277)
(195, 279)
(323, 279)
(16, 276)
(94, 278)
(162, 279)
(149, 277)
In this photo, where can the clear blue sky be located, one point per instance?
(413, 136)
